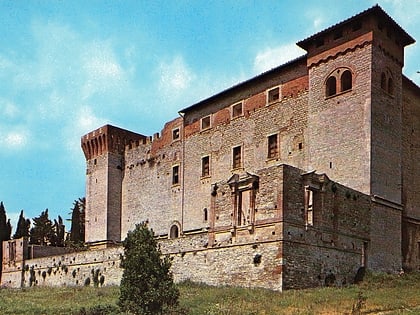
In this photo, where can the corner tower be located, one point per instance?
(104, 152)
(355, 102)
(355, 120)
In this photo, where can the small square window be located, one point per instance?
(273, 95)
(205, 166)
(273, 146)
(175, 175)
(237, 110)
(175, 134)
(237, 157)
(205, 122)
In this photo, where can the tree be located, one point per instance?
(5, 230)
(23, 226)
(77, 230)
(147, 285)
(59, 231)
(5, 226)
(42, 233)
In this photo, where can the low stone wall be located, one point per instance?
(93, 267)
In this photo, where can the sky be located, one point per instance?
(69, 67)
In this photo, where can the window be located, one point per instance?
(174, 232)
(205, 122)
(237, 110)
(237, 157)
(331, 86)
(175, 134)
(205, 166)
(205, 214)
(383, 81)
(309, 210)
(273, 95)
(346, 81)
(273, 148)
(387, 83)
(12, 251)
(175, 175)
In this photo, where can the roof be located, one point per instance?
(375, 10)
(243, 84)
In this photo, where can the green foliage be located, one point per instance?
(58, 233)
(23, 226)
(5, 226)
(42, 233)
(77, 230)
(147, 285)
(377, 294)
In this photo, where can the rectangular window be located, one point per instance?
(237, 157)
(175, 134)
(237, 110)
(175, 175)
(273, 95)
(205, 166)
(309, 207)
(273, 147)
(205, 122)
(12, 251)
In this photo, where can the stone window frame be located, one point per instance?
(234, 112)
(205, 122)
(271, 139)
(174, 230)
(176, 175)
(237, 156)
(205, 166)
(339, 81)
(271, 95)
(176, 134)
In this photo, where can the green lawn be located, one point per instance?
(378, 294)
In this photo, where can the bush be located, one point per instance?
(147, 285)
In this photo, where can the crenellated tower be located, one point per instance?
(104, 152)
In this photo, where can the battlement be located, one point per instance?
(109, 138)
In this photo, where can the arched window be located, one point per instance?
(174, 233)
(383, 81)
(331, 88)
(390, 86)
(346, 81)
(206, 214)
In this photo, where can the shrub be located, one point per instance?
(147, 285)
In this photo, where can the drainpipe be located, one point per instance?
(183, 171)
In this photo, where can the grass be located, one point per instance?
(378, 294)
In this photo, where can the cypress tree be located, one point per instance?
(23, 225)
(5, 226)
(75, 230)
(5, 230)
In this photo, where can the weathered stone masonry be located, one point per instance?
(295, 178)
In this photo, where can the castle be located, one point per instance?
(292, 179)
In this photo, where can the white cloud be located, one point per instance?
(102, 70)
(83, 120)
(275, 56)
(175, 76)
(8, 109)
(86, 120)
(14, 140)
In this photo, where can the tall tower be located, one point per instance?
(104, 151)
(355, 118)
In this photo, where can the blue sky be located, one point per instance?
(69, 67)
